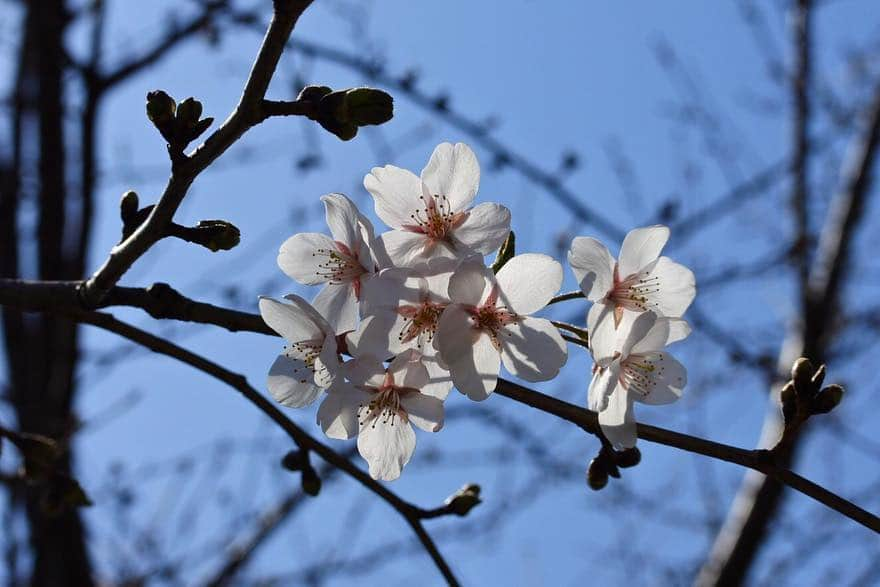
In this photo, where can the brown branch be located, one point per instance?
(759, 497)
(12, 292)
(800, 84)
(302, 439)
(246, 114)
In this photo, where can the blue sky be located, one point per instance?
(557, 77)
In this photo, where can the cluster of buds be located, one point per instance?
(342, 112)
(608, 464)
(179, 124)
(803, 395)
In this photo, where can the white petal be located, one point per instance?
(365, 370)
(532, 349)
(470, 283)
(527, 282)
(664, 331)
(602, 386)
(593, 267)
(659, 377)
(294, 321)
(439, 379)
(396, 192)
(404, 248)
(339, 306)
(387, 446)
(345, 220)
(675, 287)
(424, 411)
(407, 370)
(327, 364)
(641, 247)
(291, 383)
(483, 230)
(453, 171)
(376, 335)
(602, 334)
(618, 420)
(298, 260)
(633, 328)
(469, 354)
(337, 415)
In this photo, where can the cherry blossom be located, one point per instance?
(344, 262)
(430, 215)
(403, 307)
(489, 322)
(638, 370)
(309, 362)
(639, 280)
(379, 406)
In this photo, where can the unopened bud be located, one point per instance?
(293, 460)
(128, 207)
(828, 399)
(628, 458)
(597, 474)
(788, 398)
(217, 235)
(802, 372)
(367, 106)
(464, 500)
(160, 108)
(313, 93)
(39, 453)
(189, 111)
(311, 483)
(818, 377)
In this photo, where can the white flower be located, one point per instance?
(639, 280)
(378, 406)
(309, 362)
(489, 322)
(431, 215)
(637, 371)
(403, 307)
(343, 262)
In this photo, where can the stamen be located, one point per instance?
(341, 266)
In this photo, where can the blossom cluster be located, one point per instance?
(406, 315)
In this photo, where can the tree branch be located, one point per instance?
(27, 295)
(246, 114)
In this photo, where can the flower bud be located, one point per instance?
(217, 235)
(367, 106)
(788, 398)
(597, 474)
(464, 500)
(189, 111)
(802, 372)
(828, 399)
(313, 93)
(293, 460)
(160, 108)
(311, 483)
(128, 207)
(628, 458)
(39, 453)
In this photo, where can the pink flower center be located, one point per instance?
(420, 322)
(436, 219)
(385, 406)
(492, 318)
(639, 372)
(341, 266)
(635, 293)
